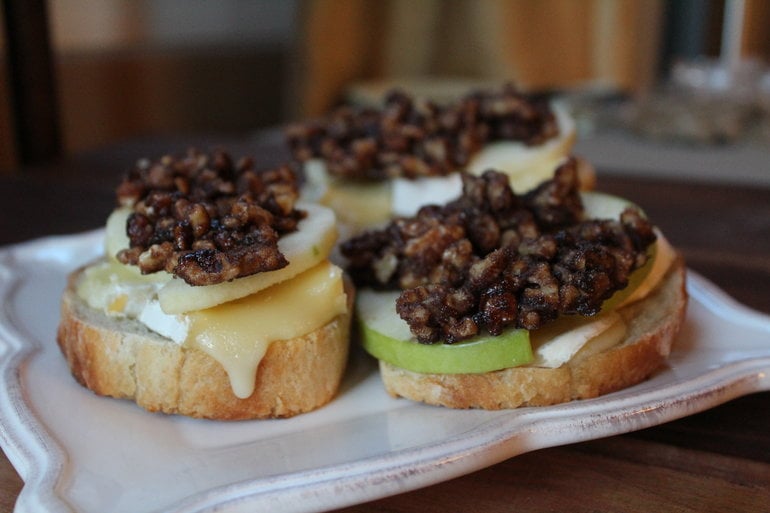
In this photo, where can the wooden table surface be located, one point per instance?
(714, 461)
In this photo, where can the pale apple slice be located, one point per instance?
(364, 205)
(308, 246)
(559, 342)
(528, 166)
(115, 237)
(663, 256)
(599, 205)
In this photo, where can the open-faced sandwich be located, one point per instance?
(370, 165)
(498, 300)
(215, 298)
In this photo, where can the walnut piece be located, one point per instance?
(205, 218)
(492, 260)
(412, 138)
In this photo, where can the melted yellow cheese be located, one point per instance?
(234, 322)
(237, 334)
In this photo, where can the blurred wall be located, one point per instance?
(621, 45)
(133, 68)
(139, 67)
(542, 44)
(129, 68)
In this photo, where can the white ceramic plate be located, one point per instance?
(79, 452)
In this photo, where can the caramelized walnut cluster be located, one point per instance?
(205, 218)
(412, 138)
(493, 259)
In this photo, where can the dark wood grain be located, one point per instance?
(723, 231)
(714, 461)
(616, 474)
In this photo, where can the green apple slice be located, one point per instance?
(386, 336)
(478, 355)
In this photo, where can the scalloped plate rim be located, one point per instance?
(39, 459)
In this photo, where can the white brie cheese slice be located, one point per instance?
(237, 334)
(174, 327)
(409, 196)
(557, 343)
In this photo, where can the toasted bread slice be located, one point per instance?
(122, 358)
(653, 324)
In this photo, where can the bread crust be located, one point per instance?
(652, 326)
(121, 358)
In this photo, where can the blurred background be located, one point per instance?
(121, 69)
